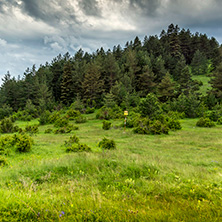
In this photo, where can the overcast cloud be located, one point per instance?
(36, 31)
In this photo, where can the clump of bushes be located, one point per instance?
(107, 144)
(73, 145)
(72, 114)
(80, 119)
(205, 122)
(7, 126)
(31, 129)
(77, 147)
(90, 110)
(106, 125)
(21, 142)
(108, 113)
(61, 122)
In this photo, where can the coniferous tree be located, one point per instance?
(67, 85)
(167, 88)
(216, 82)
(199, 63)
(93, 85)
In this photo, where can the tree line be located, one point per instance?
(162, 65)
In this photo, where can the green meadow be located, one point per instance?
(175, 177)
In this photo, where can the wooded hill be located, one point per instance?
(162, 65)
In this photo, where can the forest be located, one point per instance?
(164, 66)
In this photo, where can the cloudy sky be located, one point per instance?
(36, 31)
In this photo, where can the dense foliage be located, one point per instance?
(162, 65)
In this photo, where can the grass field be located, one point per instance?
(175, 177)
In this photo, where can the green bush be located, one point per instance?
(174, 124)
(205, 122)
(80, 119)
(7, 126)
(44, 118)
(77, 147)
(72, 114)
(54, 117)
(219, 121)
(107, 144)
(90, 110)
(31, 129)
(24, 143)
(106, 125)
(158, 128)
(72, 139)
(61, 122)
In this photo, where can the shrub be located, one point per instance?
(158, 128)
(219, 121)
(54, 117)
(61, 122)
(90, 110)
(106, 125)
(174, 124)
(24, 143)
(205, 122)
(80, 119)
(32, 129)
(72, 139)
(107, 144)
(44, 118)
(76, 147)
(72, 114)
(7, 126)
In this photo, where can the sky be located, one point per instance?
(36, 31)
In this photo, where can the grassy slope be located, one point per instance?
(205, 80)
(174, 177)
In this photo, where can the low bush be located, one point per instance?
(72, 114)
(72, 139)
(90, 110)
(77, 147)
(80, 119)
(205, 122)
(23, 143)
(44, 118)
(174, 124)
(107, 144)
(31, 129)
(219, 121)
(106, 125)
(61, 122)
(158, 128)
(7, 126)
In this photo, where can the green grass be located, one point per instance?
(175, 177)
